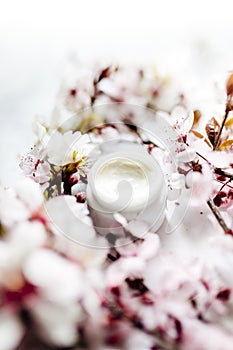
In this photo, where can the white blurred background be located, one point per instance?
(191, 40)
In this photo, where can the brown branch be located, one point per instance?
(210, 202)
(199, 155)
(224, 184)
(219, 171)
(221, 128)
(215, 169)
(219, 217)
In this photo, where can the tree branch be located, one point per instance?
(219, 171)
(221, 128)
(215, 169)
(219, 217)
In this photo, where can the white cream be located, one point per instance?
(122, 183)
(130, 183)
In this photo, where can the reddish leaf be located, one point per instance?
(197, 117)
(229, 85)
(212, 130)
(229, 122)
(226, 145)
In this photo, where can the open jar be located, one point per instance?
(126, 180)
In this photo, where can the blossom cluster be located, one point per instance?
(63, 283)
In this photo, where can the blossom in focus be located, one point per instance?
(66, 148)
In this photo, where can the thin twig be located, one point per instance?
(221, 128)
(199, 155)
(210, 202)
(224, 184)
(219, 171)
(215, 169)
(219, 217)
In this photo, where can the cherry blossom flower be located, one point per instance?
(66, 148)
(35, 166)
(70, 219)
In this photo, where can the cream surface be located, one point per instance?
(123, 183)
